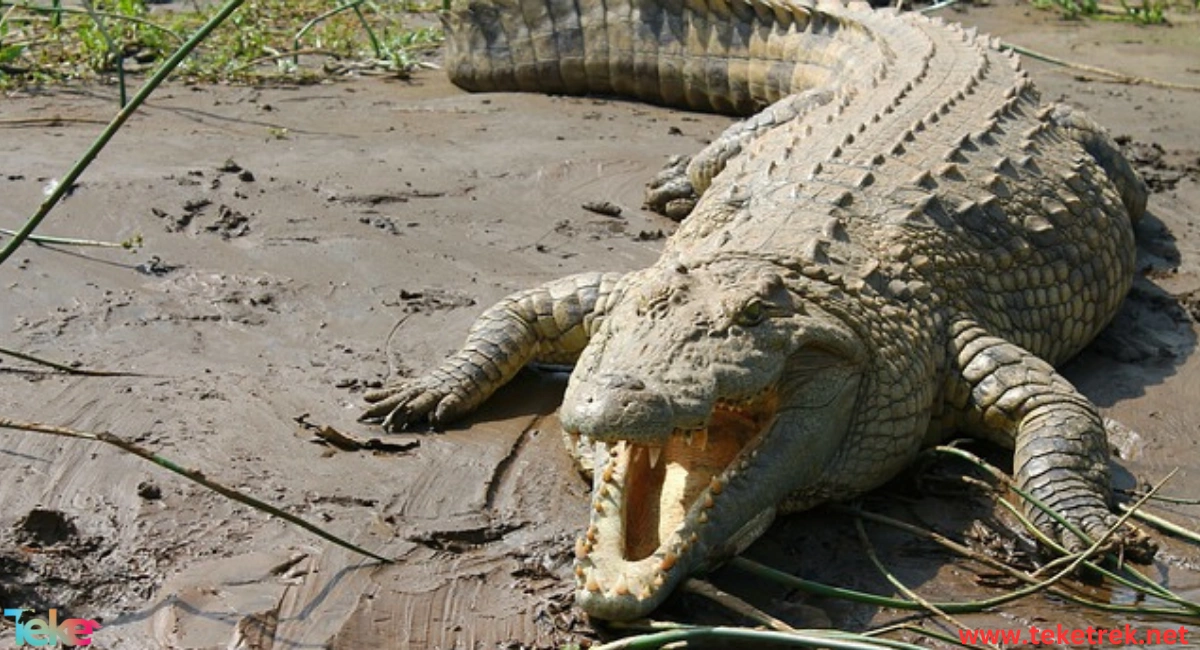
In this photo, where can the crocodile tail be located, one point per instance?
(725, 56)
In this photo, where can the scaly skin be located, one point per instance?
(896, 245)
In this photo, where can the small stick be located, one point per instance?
(1118, 77)
(70, 241)
(735, 604)
(68, 369)
(190, 474)
(48, 121)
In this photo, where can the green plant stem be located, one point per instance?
(370, 32)
(56, 10)
(191, 475)
(898, 584)
(841, 593)
(353, 4)
(1163, 524)
(117, 53)
(951, 608)
(115, 125)
(971, 554)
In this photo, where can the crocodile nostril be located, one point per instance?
(621, 381)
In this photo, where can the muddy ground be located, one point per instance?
(302, 243)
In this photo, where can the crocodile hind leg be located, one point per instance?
(550, 323)
(676, 189)
(1105, 151)
(1007, 394)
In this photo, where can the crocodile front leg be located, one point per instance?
(676, 189)
(550, 323)
(1009, 395)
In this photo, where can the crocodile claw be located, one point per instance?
(671, 192)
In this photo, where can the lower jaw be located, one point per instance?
(623, 607)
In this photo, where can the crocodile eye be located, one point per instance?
(753, 313)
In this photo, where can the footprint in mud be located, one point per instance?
(230, 223)
(42, 528)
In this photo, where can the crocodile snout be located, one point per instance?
(617, 407)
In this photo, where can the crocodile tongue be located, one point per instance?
(659, 491)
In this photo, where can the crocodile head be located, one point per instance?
(712, 393)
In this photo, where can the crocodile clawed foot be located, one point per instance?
(671, 193)
(1127, 542)
(1133, 544)
(396, 408)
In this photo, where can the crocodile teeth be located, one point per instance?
(700, 438)
(655, 453)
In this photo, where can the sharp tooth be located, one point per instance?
(579, 572)
(659, 580)
(687, 438)
(591, 584)
(581, 548)
(668, 561)
(716, 486)
(591, 533)
(637, 454)
(622, 587)
(645, 593)
(655, 452)
(703, 517)
(701, 438)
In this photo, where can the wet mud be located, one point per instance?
(302, 244)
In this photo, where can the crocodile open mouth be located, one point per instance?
(663, 483)
(651, 502)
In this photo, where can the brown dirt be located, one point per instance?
(266, 295)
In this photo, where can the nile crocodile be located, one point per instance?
(895, 245)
